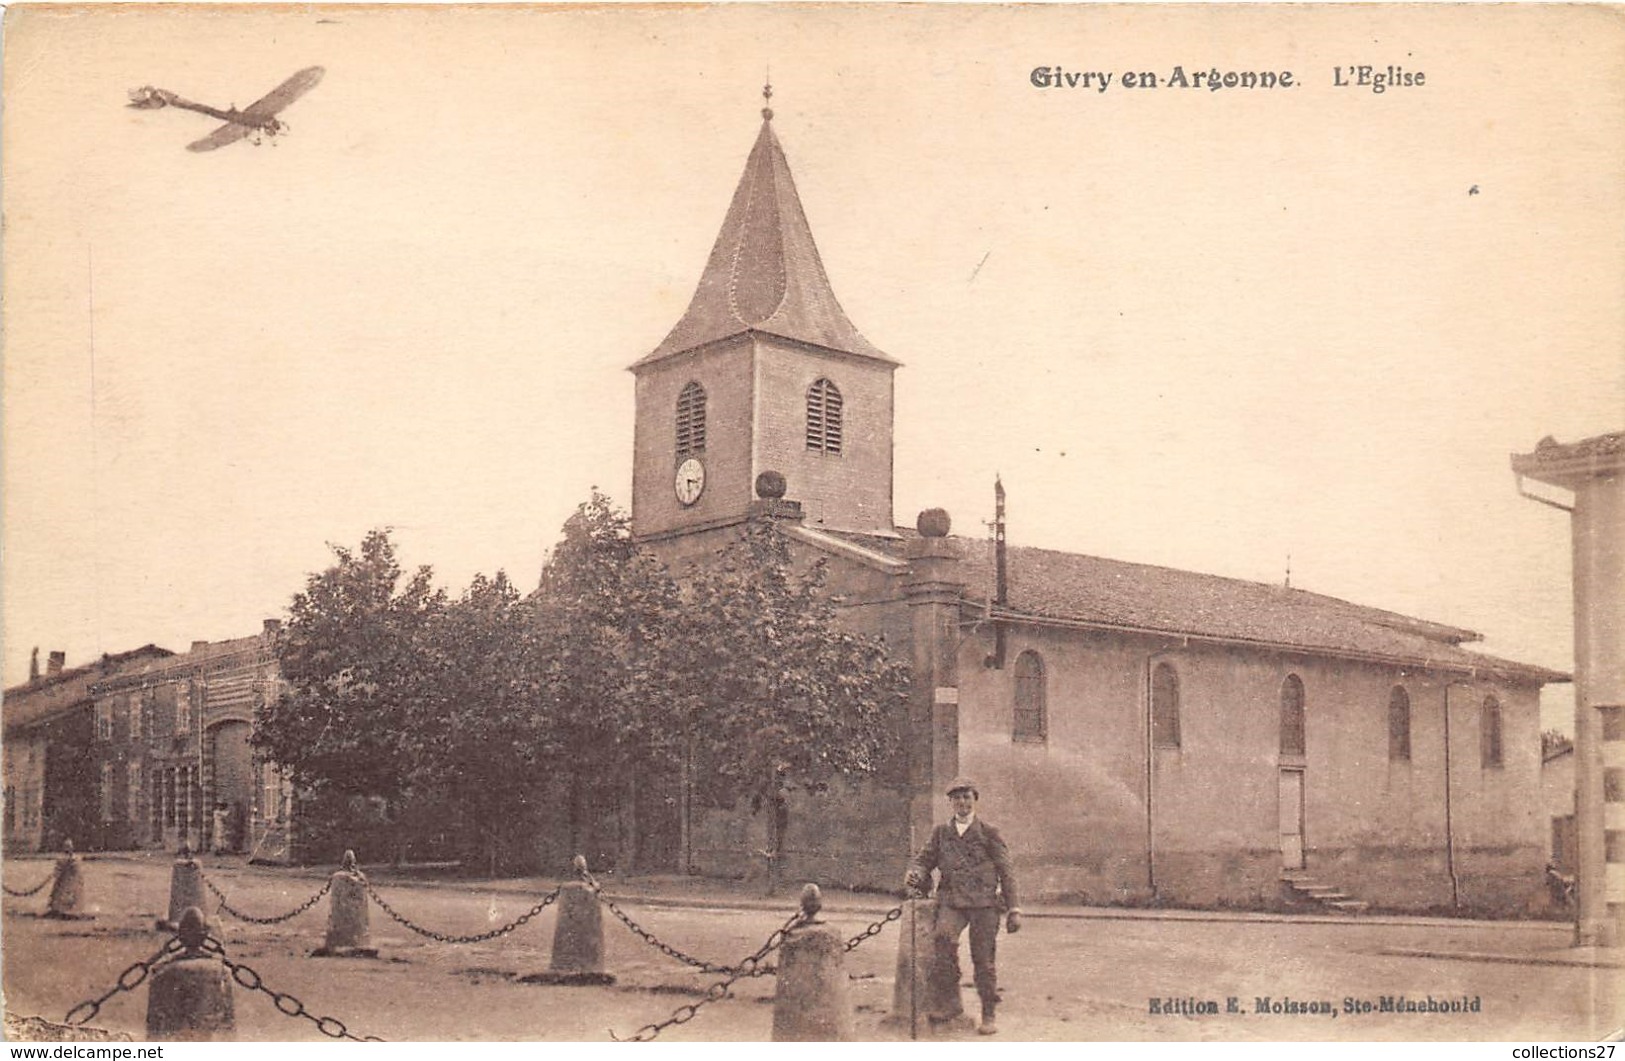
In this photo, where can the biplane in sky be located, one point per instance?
(257, 119)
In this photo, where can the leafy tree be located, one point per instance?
(349, 657)
(787, 699)
(600, 660)
(476, 715)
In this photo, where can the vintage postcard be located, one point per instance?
(498, 500)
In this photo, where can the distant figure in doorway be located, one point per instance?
(219, 840)
(976, 882)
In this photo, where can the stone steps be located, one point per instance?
(1322, 894)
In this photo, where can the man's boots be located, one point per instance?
(987, 1027)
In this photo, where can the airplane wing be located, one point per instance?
(285, 93)
(229, 133)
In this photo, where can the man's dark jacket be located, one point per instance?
(975, 867)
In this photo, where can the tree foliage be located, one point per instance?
(786, 698)
(603, 617)
(610, 676)
(351, 659)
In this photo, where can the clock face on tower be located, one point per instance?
(690, 480)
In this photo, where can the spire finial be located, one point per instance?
(767, 97)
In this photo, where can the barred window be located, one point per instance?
(824, 417)
(1399, 725)
(1489, 732)
(1030, 724)
(104, 720)
(1292, 736)
(1164, 707)
(691, 421)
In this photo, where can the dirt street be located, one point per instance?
(1071, 974)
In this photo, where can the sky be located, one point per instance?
(1208, 330)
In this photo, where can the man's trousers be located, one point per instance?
(984, 935)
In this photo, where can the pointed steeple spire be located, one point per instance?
(764, 273)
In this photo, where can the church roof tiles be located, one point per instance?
(764, 273)
(1047, 585)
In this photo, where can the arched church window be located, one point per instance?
(1292, 742)
(1399, 724)
(824, 417)
(1164, 707)
(1030, 723)
(691, 421)
(1489, 732)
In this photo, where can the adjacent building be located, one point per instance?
(1141, 734)
(171, 757)
(50, 774)
(1593, 469)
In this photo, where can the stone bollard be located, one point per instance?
(190, 998)
(348, 930)
(811, 1002)
(578, 938)
(185, 890)
(68, 889)
(912, 1002)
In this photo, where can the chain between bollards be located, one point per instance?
(874, 928)
(36, 889)
(289, 916)
(655, 941)
(287, 1004)
(747, 968)
(141, 970)
(482, 937)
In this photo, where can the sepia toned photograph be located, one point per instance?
(813, 522)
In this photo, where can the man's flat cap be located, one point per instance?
(963, 784)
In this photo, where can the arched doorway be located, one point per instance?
(231, 787)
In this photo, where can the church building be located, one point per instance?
(1140, 734)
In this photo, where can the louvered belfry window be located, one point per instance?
(824, 417)
(691, 421)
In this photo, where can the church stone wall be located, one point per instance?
(1074, 807)
(854, 836)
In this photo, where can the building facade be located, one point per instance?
(171, 755)
(50, 775)
(1140, 734)
(1593, 470)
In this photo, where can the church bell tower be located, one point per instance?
(764, 372)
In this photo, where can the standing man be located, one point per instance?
(976, 883)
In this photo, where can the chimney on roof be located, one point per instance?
(55, 664)
(273, 627)
(199, 645)
(33, 665)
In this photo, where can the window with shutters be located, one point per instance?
(1489, 732)
(136, 732)
(1399, 724)
(104, 720)
(183, 707)
(824, 417)
(1292, 737)
(132, 782)
(107, 792)
(1164, 707)
(691, 421)
(1030, 724)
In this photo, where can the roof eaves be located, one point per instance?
(1484, 665)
